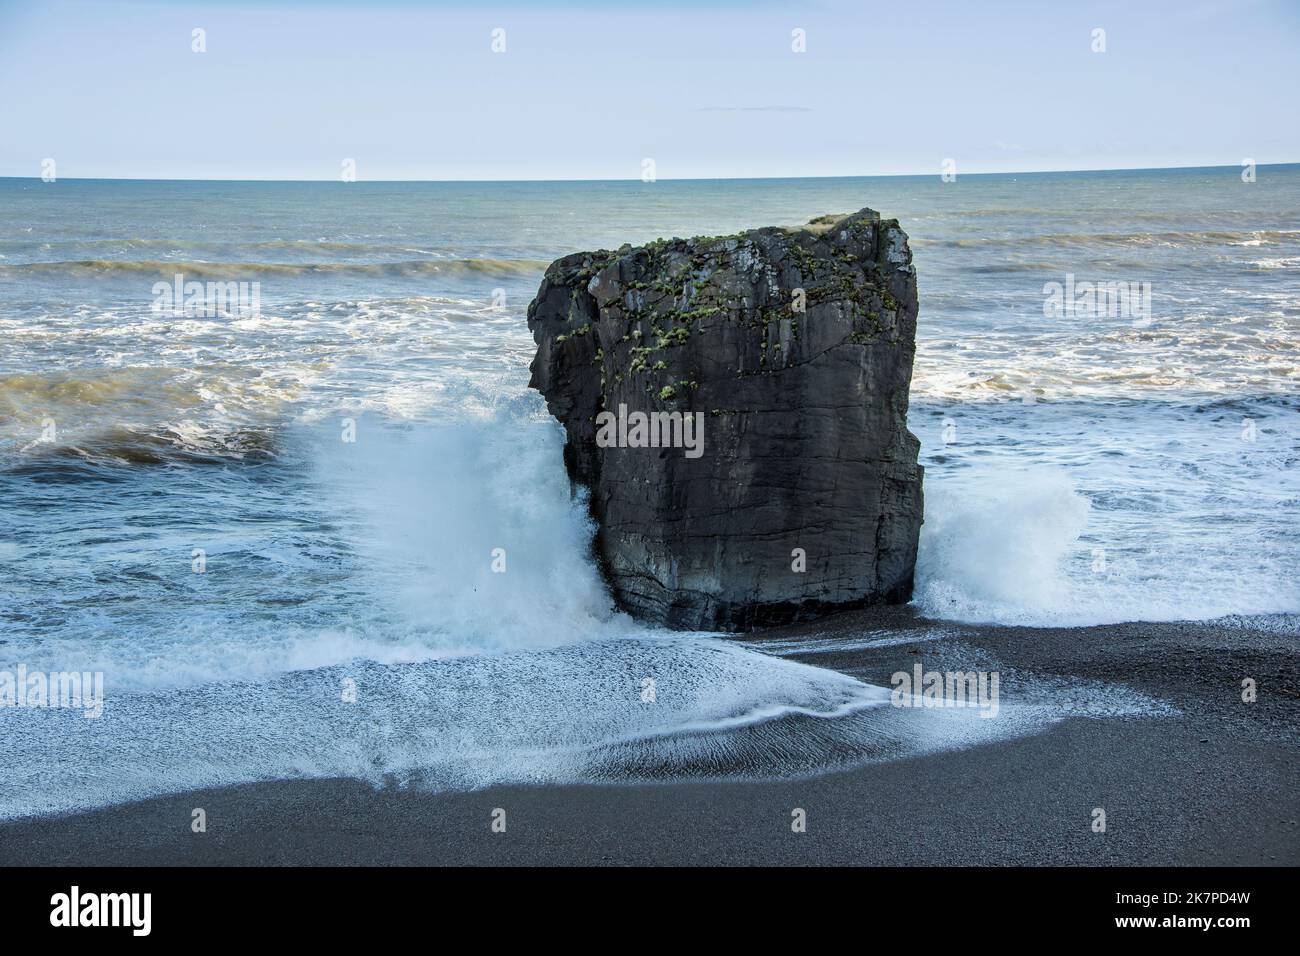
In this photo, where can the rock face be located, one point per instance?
(786, 485)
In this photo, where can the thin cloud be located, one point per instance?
(754, 109)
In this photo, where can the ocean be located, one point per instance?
(272, 530)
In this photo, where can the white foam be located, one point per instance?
(464, 677)
(421, 512)
(573, 713)
(994, 550)
(443, 509)
(1024, 547)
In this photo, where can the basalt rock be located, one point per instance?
(737, 408)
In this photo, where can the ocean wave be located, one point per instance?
(253, 250)
(1198, 358)
(197, 270)
(139, 391)
(1167, 238)
(1271, 264)
(1000, 268)
(1025, 546)
(181, 443)
(65, 420)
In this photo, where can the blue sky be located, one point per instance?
(588, 91)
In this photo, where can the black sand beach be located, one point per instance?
(1214, 784)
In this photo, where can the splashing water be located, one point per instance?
(131, 440)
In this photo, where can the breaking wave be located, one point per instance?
(1025, 547)
(239, 271)
(1166, 238)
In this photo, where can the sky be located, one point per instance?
(587, 90)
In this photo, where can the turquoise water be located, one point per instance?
(1080, 469)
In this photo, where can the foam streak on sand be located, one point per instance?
(568, 714)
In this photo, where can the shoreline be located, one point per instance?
(1212, 784)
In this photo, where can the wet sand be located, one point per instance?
(1216, 783)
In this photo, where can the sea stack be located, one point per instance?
(736, 407)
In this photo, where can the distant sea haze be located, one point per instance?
(236, 510)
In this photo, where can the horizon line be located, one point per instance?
(683, 179)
